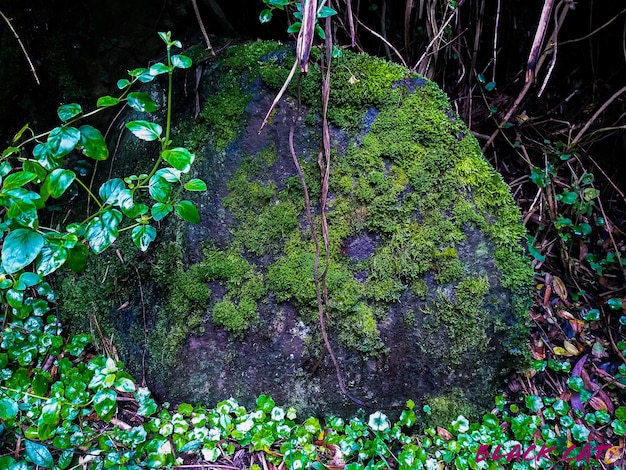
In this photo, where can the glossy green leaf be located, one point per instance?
(181, 61)
(17, 180)
(195, 185)
(62, 140)
(52, 257)
(26, 280)
(265, 16)
(7, 152)
(20, 248)
(295, 27)
(567, 197)
(143, 235)
(105, 403)
(44, 157)
(92, 143)
(145, 130)
(326, 12)
(111, 191)
(20, 133)
(171, 175)
(614, 303)
(102, 230)
(159, 211)
(179, 157)
(188, 211)
(77, 258)
(34, 167)
(147, 406)
(8, 409)
(23, 212)
(68, 111)
(123, 83)
(135, 210)
(65, 459)
(48, 419)
(158, 69)
(39, 454)
(124, 384)
(141, 102)
(106, 101)
(159, 189)
(57, 183)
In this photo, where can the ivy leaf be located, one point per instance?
(65, 459)
(62, 140)
(181, 61)
(8, 409)
(188, 211)
(159, 69)
(295, 27)
(102, 230)
(141, 102)
(122, 83)
(159, 211)
(179, 157)
(124, 384)
(111, 191)
(56, 183)
(34, 167)
(105, 403)
(106, 101)
(147, 405)
(52, 257)
(68, 111)
(20, 248)
(92, 143)
(145, 130)
(195, 185)
(17, 180)
(23, 211)
(143, 235)
(77, 258)
(39, 454)
(159, 188)
(48, 419)
(326, 12)
(171, 175)
(265, 16)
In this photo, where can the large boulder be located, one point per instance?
(427, 282)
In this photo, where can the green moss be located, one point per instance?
(235, 319)
(460, 320)
(446, 408)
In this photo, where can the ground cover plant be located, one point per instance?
(64, 406)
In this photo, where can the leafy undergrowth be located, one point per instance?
(79, 410)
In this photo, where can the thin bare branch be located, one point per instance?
(600, 110)
(374, 33)
(202, 28)
(30, 62)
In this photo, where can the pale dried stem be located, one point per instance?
(202, 28)
(19, 41)
(374, 33)
(600, 110)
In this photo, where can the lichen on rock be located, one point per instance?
(428, 283)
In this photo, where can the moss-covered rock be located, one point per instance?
(427, 280)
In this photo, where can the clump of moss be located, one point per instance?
(447, 407)
(233, 318)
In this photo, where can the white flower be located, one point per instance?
(378, 421)
(278, 414)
